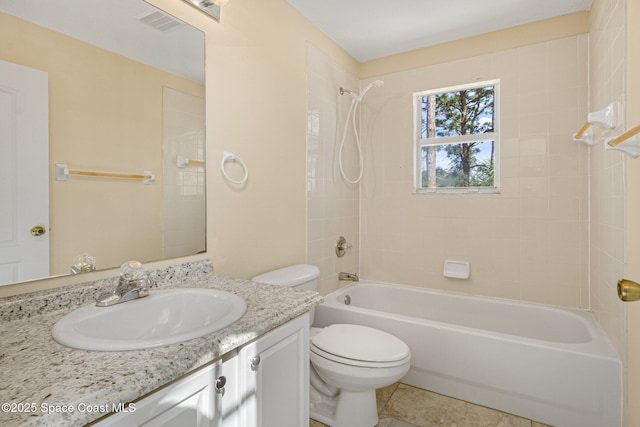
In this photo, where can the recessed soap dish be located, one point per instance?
(456, 269)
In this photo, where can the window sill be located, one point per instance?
(439, 191)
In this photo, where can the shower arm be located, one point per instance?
(358, 97)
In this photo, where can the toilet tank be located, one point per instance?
(300, 276)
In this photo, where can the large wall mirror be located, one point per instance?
(115, 89)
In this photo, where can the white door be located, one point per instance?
(24, 176)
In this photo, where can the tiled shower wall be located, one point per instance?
(332, 205)
(530, 242)
(607, 43)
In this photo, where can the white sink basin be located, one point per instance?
(164, 317)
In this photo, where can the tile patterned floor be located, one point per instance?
(401, 405)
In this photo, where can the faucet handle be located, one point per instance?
(342, 246)
(83, 263)
(132, 270)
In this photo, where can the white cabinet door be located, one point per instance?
(276, 377)
(191, 401)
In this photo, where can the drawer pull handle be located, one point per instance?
(220, 383)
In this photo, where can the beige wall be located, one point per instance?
(96, 123)
(256, 85)
(256, 95)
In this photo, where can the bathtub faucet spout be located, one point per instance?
(348, 276)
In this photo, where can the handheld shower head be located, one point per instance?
(376, 83)
(355, 101)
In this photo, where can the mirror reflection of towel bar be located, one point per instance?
(582, 130)
(183, 162)
(63, 172)
(627, 135)
(628, 142)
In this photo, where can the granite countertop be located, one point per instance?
(38, 373)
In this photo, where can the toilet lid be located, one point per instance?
(360, 343)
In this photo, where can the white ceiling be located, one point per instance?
(370, 29)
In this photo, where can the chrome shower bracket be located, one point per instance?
(342, 246)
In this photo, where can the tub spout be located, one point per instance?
(348, 276)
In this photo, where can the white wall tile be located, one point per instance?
(607, 244)
(506, 235)
(332, 205)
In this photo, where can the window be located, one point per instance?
(457, 139)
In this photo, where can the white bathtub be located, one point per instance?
(544, 363)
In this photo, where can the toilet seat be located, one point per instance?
(361, 346)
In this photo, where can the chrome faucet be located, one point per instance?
(348, 276)
(132, 284)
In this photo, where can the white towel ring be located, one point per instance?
(230, 157)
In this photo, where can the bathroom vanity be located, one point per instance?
(251, 373)
(264, 383)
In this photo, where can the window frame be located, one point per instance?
(419, 142)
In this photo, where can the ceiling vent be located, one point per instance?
(160, 21)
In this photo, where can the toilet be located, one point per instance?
(348, 362)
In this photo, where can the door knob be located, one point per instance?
(38, 230)
(628, 290)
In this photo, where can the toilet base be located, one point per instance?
(348, 409)
(356, 409)
(321, 407)
(322, 412)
